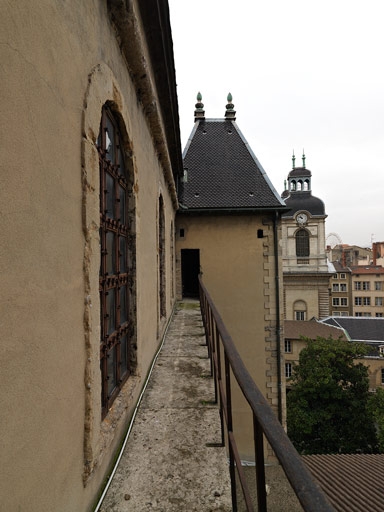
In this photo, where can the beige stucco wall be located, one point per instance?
(238, 271)
(60, 62)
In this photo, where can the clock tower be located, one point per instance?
(305, 267)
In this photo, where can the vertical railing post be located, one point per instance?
(219, 383)
(260, 467)
(232, 469)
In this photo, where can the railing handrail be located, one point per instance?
(309, 493)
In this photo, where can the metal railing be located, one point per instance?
(265, 422)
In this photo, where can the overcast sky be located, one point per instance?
(303, 74)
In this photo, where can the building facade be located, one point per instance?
(305, 267)
(91, 152)
(341, 293)
(368, 290)
(228, 231)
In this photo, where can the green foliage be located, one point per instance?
(327, 407)
(376, 407)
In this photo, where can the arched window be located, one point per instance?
(162, 288)
(117, 260)
(302, 243)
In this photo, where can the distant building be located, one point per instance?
(369, 331)
(349, 255)
(306, 271)
(228, 230)
(340, 287)
(295, 331)
(368, 290)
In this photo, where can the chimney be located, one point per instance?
(374, 253)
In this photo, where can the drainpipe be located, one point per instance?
(278, 321)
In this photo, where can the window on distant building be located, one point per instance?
(300, 310)
(378, 301)
(335, 313)
(343, 301)
(342, 276)
(358, 285)
(367, 314)
(366, 301)
(335, 276)
(302, 243)
(358, 301)
(288, 370)
(379, 315)
(287, 346)
(335, 287)
(117, 260)
(366, 285)
(344, 313)
(358, 314)
(335, 301)
(343, 287)
(378, 285)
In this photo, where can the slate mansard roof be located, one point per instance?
(222, 173)
(363, 329)
(304, 201)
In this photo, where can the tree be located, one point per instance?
(327, 407)
(376, 406)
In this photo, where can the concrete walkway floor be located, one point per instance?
(168, 463)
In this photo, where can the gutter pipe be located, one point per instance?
(100, 502)
(278, 320)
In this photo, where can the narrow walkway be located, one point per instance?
(168, 464)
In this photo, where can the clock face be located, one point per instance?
(301, 218)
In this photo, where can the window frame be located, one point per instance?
(302, 243)
(116, 261)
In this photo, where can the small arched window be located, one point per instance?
(302, 243)
(161, 246)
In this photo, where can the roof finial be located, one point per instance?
(230, 112)
(293, 159)
(199, 112)
(303, 159)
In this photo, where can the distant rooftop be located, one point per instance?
(364, 329)
(294, 329)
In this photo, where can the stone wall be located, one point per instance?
(62, 61)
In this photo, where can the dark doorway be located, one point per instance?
(190, 269)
